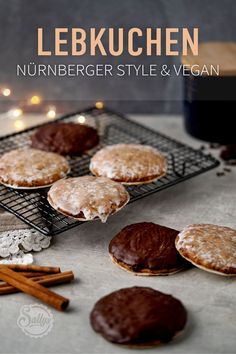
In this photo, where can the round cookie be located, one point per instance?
(209, 247)
(65, 138)
(88, 198)
(147, 249)
(129, 164)
(31, 168)
(138, 317)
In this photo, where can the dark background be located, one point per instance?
(19, 20)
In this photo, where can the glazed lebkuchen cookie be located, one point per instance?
(31, 168)
(88, 198)
(129, 164)
(209, 247)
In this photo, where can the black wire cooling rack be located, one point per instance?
(33, 208)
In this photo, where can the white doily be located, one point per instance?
(18, 258)
(26, 240)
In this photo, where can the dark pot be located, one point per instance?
(210, 108)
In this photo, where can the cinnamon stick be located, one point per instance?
(45, 280)
(30, 287)
(35, 274)
(32, 268)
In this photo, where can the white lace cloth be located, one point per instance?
(15, 243)
(18, 258)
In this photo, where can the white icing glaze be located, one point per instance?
(95, 197)
(30, 167)
(210, 246)
(126, 162)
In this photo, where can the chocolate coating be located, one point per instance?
(65, 138)
(146, 246)
(138, 315)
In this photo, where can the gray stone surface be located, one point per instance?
(210, 299)
(19, 20)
